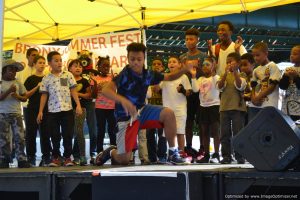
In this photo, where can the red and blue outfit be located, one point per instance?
(134, 87)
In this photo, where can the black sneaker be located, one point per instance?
(240, 161)
(92, 160)
(132, 158)
(145, 162)
(204, 159)
(104, 156)
(226, 160)
(32, 161)
(191, 152)
(4, 164)
(76, 161)
(23, 164)
(215, 158)
(82, 161)
(45, 162)
(132, 161)
(175, 158)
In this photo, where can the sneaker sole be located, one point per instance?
(53, 165)
(98, 161)
(175, 163)
(69, 165)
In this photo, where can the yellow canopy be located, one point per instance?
(44, 21)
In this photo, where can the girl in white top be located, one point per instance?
(174, 96)
(209, 108)
(206, 85)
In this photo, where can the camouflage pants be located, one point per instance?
(14, 122)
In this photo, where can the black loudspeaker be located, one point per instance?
(270, 142)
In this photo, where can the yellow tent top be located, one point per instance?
(44, 21)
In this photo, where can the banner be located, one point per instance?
(19, 52)
(113, 45)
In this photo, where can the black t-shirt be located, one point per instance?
(81, 87)
(34, 101)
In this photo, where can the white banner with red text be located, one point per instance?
(112, 45)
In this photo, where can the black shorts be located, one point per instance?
(209, 114)
(193, 107)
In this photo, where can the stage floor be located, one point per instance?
(137, 167)
(191, 182)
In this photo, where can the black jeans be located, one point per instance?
(65, 121)
(91, 123)
(105, 117)
(31, 132)
(156, 150)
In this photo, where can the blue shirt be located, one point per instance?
(134, 87)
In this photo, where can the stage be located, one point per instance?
(188, 182)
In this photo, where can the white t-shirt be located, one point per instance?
(262, 75)
(171, 98)
(223, 56)
(58, 90)
(209, 93)
(11, 104)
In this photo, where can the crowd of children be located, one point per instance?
(219, 92)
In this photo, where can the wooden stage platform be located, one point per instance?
(147, 182)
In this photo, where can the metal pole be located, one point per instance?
(1, 33)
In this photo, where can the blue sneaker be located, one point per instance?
(176, 159)
(104, 156)
(162, 161)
